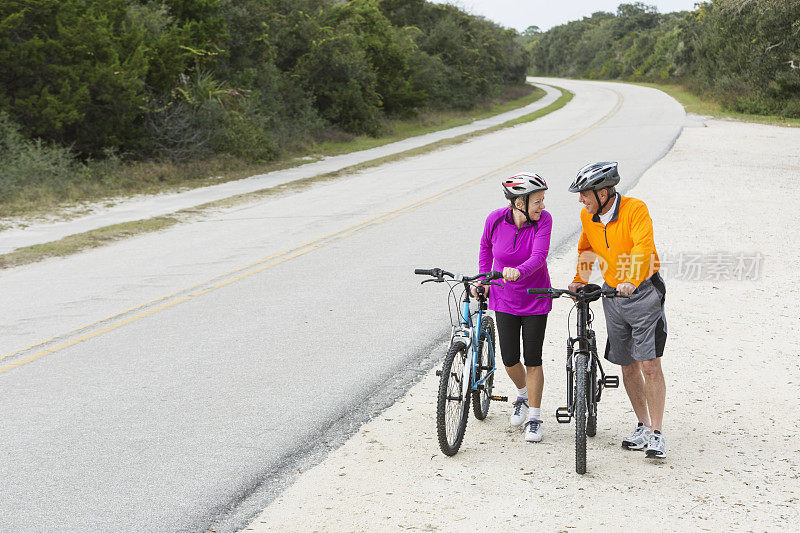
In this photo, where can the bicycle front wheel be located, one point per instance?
(580, 413)
(452, 406)
(482, 398)
(591, 399)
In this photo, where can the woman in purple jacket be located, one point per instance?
(516, 240)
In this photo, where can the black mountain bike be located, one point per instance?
(584, 388)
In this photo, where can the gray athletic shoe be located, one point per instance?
(520, 412)
(639, 439)
(656, 446)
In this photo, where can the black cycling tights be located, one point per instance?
(508, 329)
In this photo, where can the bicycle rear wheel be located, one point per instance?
(452, 406)
(580, 413)
(482, 398)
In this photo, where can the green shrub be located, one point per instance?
(189, 80)
(336, 71)
(28, 164)
(738, 52)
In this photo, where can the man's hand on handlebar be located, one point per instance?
(575, 286)
(626, 289)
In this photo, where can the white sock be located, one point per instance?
(535, 413)
(523, 392)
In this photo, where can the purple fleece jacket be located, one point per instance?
(525, 248)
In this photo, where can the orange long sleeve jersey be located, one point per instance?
(625, 247)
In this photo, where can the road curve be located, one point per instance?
(149, 206)
(180, 371)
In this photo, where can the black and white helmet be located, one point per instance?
(596, 176)
(523, 184)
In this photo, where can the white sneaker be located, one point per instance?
(533, 430)
(637, 441)
(656, 446)
(520, 412)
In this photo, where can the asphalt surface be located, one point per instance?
(148, 206)
(175, 378)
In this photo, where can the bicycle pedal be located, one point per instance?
(612, 382)
(563, 416)
(499, 398)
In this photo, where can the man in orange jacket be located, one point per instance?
(618, 232)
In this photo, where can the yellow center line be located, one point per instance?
(281, 257)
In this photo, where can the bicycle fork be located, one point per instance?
(468, 335)
(464, 334)
(564, 414)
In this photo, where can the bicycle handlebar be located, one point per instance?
(581, 295)
(439, 274)
(538, 291)
(433, 272)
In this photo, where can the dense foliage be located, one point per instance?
(187, 79)
(745, 53)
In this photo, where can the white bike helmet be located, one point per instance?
(523, 184)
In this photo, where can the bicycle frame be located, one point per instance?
(458, 388)
(587, 345)
(470, 334)
(583, 390)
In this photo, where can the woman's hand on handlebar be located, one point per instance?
(474, 290)
(510, 274)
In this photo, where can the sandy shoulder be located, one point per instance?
(724, 205)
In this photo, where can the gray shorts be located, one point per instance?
(637, 326)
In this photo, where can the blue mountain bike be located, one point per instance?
(468, 369)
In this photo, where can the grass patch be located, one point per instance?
(84, 241)
(112, 177)
(703, 105)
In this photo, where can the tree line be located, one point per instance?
(743, 53)
(188, 79)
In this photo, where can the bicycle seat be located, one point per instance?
(591, 287)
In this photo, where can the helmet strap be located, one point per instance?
(603, 206)
(525, 212)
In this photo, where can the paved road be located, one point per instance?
(148, 206)
(204, 362)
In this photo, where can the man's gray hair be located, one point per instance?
(611, 191)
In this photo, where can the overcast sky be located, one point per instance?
(519, 14)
